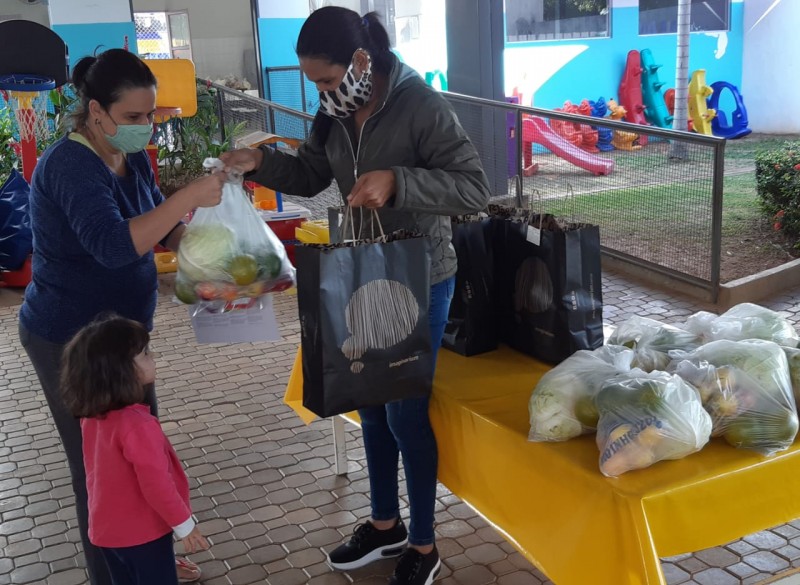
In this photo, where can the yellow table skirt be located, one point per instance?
(551, 501)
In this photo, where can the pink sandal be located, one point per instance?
(188, 572)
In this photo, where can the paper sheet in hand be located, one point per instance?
(241, 324)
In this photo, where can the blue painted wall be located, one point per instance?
(278, 38)
(555, 71)
(87, 39)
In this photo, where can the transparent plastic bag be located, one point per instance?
(744, 321)
(700, 324)
(646, 418)
(228, 252)
(652, 341)
(793, 358)
(746, 388)
(561, 406)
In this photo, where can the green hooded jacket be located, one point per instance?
(416, 134)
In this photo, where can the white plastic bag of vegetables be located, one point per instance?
(746, 387)
(652, 341)
(744, 321)
(793, 357)
(561, 406)
(645, 418)
(228, 252)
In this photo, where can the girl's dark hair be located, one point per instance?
(98, 372)
(105, 77)
(334, 33)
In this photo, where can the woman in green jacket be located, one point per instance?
(394, 145)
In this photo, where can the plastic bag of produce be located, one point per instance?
(793, 357)
(228, 252)
(562, 404)
(744, 321)
(645, 418)
(652, 341)
(746, 387)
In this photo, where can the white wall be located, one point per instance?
(89, 11)
(770, 82)
(19, 11)
(222, 32)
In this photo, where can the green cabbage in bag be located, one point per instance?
(562, 403)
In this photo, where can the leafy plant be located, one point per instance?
(8, 156)
(183, 143)
(778, 186)
(64, 100)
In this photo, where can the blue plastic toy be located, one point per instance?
(738, 122)
(652, 96)
(604, 135)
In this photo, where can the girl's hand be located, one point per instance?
(243, 160)
(194, 541)
(206, 191)
(373, 190)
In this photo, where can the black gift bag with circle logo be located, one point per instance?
(364, 328)
(548, 282)
(471, 324)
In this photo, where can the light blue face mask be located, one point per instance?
(130, 138)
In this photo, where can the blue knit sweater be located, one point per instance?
(84, 260)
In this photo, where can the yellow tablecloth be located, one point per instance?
(551, 501)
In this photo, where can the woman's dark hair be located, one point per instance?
(334, 33)
(105, 77)
(98, 372)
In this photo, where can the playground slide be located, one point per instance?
(536, 130)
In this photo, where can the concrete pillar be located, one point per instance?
(475, 45)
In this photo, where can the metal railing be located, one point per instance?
(654, 210)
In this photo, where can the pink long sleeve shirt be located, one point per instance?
(138, 491)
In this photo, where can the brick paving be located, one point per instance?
(263, 486)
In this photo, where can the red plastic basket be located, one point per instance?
(17, 278)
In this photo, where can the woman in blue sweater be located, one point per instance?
(96, 214)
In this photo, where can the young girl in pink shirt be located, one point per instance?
(138, 491)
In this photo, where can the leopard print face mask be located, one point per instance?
(351, 94)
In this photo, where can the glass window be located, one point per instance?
(179, 30)
(152, 37)
(543, 20)
(661, 16)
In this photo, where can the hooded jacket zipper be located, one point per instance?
(356, 152)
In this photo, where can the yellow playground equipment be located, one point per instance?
(622, 140)
(699, 92)
(176, 97)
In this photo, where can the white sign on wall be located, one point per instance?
(89, 11)
(283, 8)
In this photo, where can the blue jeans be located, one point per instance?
(404, 427)
(151, 563)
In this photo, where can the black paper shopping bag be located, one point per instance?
(364, 322)
(471, 324)
(552, 287)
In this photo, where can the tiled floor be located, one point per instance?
(263, 483)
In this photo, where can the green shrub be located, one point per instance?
(778, 186)
(8, 158)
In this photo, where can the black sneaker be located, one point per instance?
(415, 568)
(367, 545)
